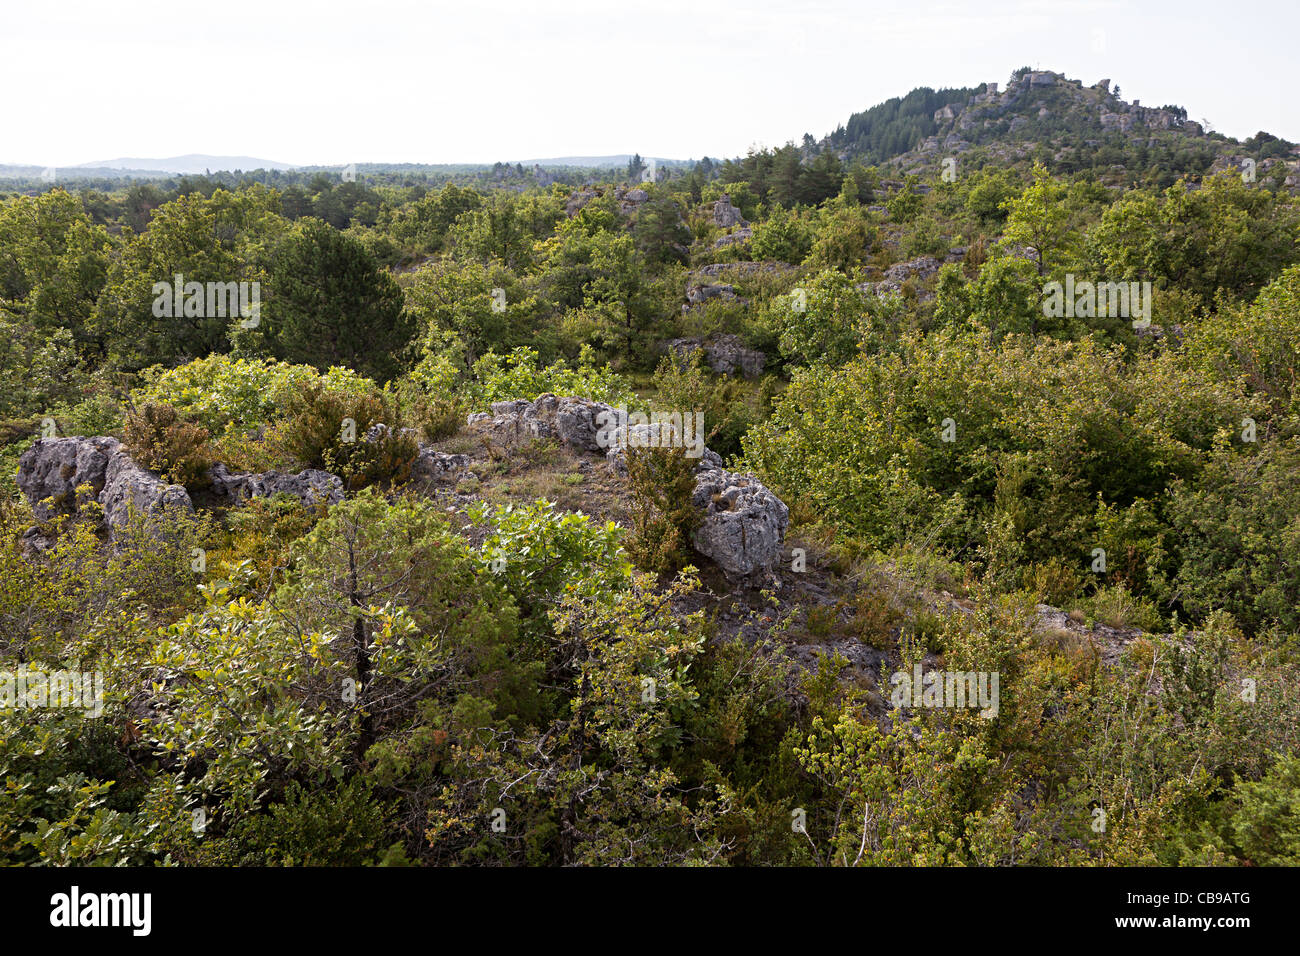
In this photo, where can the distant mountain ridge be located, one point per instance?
(191, 164)
(199, 164)
(619, 159)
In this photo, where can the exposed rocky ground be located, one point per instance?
(756, 583)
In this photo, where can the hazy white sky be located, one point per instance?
(431, 81)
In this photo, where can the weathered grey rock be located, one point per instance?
(56, 467)
(130, 489)
(738, 236)
(1173, 332)
(433, 465)
(580, 198)
(379, 431)
(512, 407)
(892, 284)
(699, 294)
(922, 267)
(630, 200)
(310, 486)
(725, 354)
(659, 434)
(744, 523)
(578, 422)
(1117, 121)
(36, 542)
(573, 421)
(742, 269)
(726, 215)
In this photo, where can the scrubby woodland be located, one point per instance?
(524, 660)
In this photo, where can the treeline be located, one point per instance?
(897, 125)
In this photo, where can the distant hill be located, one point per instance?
(1043, 115)
(193, 164)
(620, 159)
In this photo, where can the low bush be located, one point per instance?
(159, 439)
(336, 431)
(663, 517)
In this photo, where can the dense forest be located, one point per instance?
(290, 473)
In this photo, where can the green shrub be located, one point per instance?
(925, 239)
(261, 530)
(219, 392)
(438, 418)
(728, 404)
(822, 321)
(1267, 825)
(905, 205)
(160, 440)
(434, 414)
(227, 395)
(1236, 537)
(539, 553)
(520, 374)
(874, 617)
(1055, 447)
(783, 236)
(663, 517)
(1055, 581)
(1255, 345)
(1115, 606)
(844, 238)
(332, 431)
(342, 826)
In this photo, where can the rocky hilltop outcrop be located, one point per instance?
(1045, 108)
(1040, 95)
